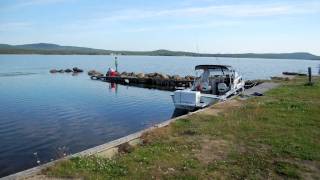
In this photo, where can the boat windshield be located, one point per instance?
(207, 80)
(207, 73)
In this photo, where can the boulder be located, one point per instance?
(132, 74)
(91, 72)
(57, 71)
(158, 76)
(94, 73)
(189, 78)
(163, 76)
(77, 70)
(176, 77)
(124, 74)
(68, 71)
(98, 74)
(150, 75)
(140, 75)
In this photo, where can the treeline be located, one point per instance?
(54, 49)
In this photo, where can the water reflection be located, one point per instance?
(8, 74)
(179, 112)
(113, 87)
(75, 74)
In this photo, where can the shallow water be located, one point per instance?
(43, 115)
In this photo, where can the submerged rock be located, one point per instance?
(77, 70)
(68, 71)
(53, 71)
(57, 71)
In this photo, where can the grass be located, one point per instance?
(275, 136)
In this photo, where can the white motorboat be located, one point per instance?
(215, 83)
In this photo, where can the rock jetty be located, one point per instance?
(73, 70)
(150, 80)
(156, 75)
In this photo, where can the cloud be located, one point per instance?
(213, 24)
(238, 10)
(14, 26)
(191, 17)
(23, 4)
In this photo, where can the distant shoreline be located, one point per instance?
(157, 55)
(54, 49)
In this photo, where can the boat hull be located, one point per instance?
(192, 100)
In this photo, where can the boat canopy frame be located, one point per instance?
(214, 67)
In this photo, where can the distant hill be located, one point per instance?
(45, 48)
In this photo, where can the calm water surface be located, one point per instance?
(44, 115)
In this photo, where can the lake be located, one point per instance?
(43, 115)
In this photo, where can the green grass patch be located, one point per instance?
(287, 169)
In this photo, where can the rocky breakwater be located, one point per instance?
(156, 75)
(155, 80)
(73, 70)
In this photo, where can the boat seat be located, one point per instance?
(213, 84)
(206, 88)
(222, 87)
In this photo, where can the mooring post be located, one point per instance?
(310, 76)
(116, 63)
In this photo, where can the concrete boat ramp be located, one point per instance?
(109, 149)
(260, 89)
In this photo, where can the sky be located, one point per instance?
(205, 26)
